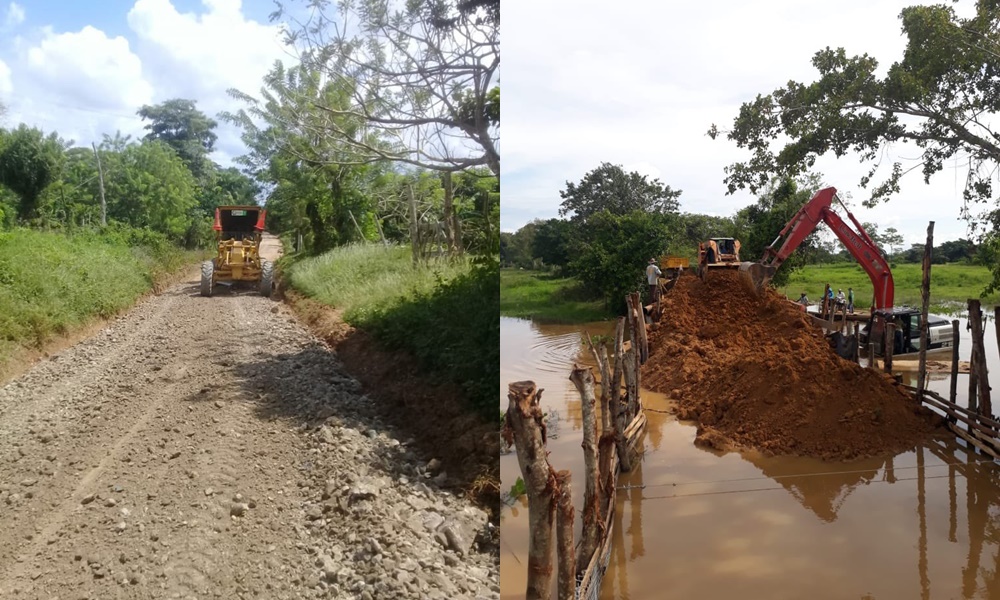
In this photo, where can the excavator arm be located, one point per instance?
(858, 243)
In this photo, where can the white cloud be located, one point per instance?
(89, 68)
(200, 56)
(14, 17)
(6, 86)
(84, 83)
(640, 86)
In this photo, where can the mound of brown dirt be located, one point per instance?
(755, 373)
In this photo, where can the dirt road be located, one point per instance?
(211, 447)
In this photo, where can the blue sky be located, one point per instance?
(639, 84)
(83, 69)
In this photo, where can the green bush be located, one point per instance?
(446, 315)
(52, 282)
(453, 330)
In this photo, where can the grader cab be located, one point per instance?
(238, 231)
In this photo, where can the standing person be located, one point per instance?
(653, 274)
(803, 299)
(850, 300)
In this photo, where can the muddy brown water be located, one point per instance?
(693, 523)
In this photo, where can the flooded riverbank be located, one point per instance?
(693, 523)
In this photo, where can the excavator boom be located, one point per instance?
(756, 275)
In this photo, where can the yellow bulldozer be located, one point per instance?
(238, 232)
(718, 253)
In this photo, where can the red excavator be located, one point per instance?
(858, 243)
(756, 275)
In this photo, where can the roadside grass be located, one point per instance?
(51, 283)
(952, 284)
(548, 298)
(361, 279)
(446, 315)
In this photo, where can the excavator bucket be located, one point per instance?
(755, 276)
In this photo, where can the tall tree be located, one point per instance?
(29, 162)
(610, 188)
(183, 127)
(316, 178)
(423, 74)
(148, 185)
(893, 240)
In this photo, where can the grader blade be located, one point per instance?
(755, 276)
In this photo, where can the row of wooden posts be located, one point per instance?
(608, 441)
(982, 429)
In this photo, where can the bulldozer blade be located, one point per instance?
(755, 276)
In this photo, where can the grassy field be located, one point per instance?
(950, 283)
(51, 283)
(446, 315)
(547, 298)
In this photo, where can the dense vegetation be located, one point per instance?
(51, 283)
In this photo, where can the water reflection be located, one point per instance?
(692, 523)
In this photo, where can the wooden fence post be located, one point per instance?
(619, 405)
(954, 362)
(583, 379)
(982, 373)
(524, 427)
(925, 296)
(566, 583)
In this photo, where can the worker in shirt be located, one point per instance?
(850, 300)
(653, 274)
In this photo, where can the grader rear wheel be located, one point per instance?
(207, 275)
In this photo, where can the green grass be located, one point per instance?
(363, 279)
(51, 283)
(950, 283)
(445, 315)
(547, 298)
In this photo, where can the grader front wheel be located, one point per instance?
(266, 277)
(207, 275)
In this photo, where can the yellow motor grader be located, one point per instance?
(238, 231)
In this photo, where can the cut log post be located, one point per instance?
(872, 361)
(601, 358)
(631, 390)
(925, 297)
(890, 342)
(605, 390)
(981, 373)
(973, 382)
(643, 337)
(996, 324)
(619, 403)
(954, 362)
(524, 427)
(590, 539)
(566, 584)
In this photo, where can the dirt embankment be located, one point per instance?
(212, 447)
(755, 373)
